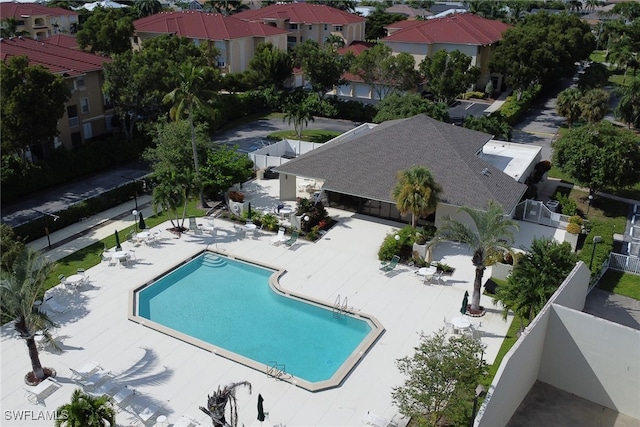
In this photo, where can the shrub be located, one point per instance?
(574, 228)
(315, 211)
(576, 219)
(270, 222)
(513, 108)
(569, 207)
(444, 268)
(476, 94)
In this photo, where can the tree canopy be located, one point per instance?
(542, 48)
(493, 125)
(441, 378)
(535, 277)
(377, 20)
(87, 411)
(448, 74)
(272, 65)
(416, 192)
(628, 108)
(323, 67)
(398, 106)
(107, 31)
(599, 155)
(33, 101)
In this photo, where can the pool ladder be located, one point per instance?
(340, 307)
(278, 371)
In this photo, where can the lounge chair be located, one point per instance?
(375, 420)
(142, 412)
(50, 305)
(108, 388)
(186, 421)
(279, 238)
(386, 267)
(63, 279)
(193, 226)
(36, 394)
(292, 240)
(86, 371)
(122, 396)
(95, 380)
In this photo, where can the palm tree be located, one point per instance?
(20, 288)
(488, 234)
(225, 7)
(299, 110)
(568, 105)
(595, 105)
(416, 192)
(217, 403)
(86, 411)
(147, 7)
(535, 277)
(189, 96)
(10, 28)
(628, 109)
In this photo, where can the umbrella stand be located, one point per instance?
(141, 224)
(261, 416)
(118, 247)
(465, 302)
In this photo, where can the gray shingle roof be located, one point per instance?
(367, 166)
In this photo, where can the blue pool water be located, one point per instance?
(230, 304)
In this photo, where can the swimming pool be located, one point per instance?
(238, 309)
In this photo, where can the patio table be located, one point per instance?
(427, 271)
(460, 323)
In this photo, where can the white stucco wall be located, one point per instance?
(593, 358)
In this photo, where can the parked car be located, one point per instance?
(269, 173)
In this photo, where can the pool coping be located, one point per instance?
(275, 371)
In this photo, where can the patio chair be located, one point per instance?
(95, 380)
(387, 267)
(108, 388)
(448, 326)
(63, 279)
(121, 397)
(375, 420)
(292, 240)
(140, 411)
(258, 232)
(48, 344)
(193, 226)
(279, 238)
(38, 393)
(50, 305)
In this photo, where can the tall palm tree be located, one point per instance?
(10, 28)
(416, 192)
(191, 95)
(147, 7)
(568, 105)
(85, 410)
(299, 110)
(20, 288)
(488, 234)
(628, 109)
(217, 403)
(595, 105)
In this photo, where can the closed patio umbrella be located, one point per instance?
(141, 224)
(249, 212)
(118, 247)
(465, 302)
(260, 408)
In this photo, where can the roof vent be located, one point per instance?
(486, 172)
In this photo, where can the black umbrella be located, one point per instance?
(141, 224)
(260, 408)
(465, 302)
(118, 247)
(249, 212)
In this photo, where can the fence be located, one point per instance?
(626, 263)
(536, 211)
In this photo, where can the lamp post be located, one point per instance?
(589, 205)
(306, 222)
(46, 223)
(596, 240)
(479, 392)
(135, 190)
(135, 219)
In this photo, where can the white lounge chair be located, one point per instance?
(38, 393)
(86, 371)
(50, 305)
(279, 238)
(108, 388)
(122, 396)
(142, 412)
(375, 420)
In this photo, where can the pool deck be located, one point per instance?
(177, 377)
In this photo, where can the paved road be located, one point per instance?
(246, 137)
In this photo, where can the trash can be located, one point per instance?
(260, 174)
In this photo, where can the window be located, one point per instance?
(80, 82)
(293, 26)
(72, 113)
(338, 27)
(88, 130)
(84, 105)
(310, 27)
(326, 27)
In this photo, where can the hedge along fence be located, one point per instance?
(64, 166)
(513, 107)
(36, 228)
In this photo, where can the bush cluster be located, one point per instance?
(513, 108)
(569, 206)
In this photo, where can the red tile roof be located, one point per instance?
(356, 47)
(301, 13)
(57, 59)
(9, 10)
(63, 40)
(460, 28)
(203, 25)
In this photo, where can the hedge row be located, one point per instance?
(513, 107)
(35, 229)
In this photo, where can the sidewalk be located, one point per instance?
(84, 233)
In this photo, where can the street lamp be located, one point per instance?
(135, 218)
(596, 240)
(306, 222)
(135, 189)
(479, 392)
(589, 205)
(46, 223)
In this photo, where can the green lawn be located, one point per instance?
(90, 256)
(621, 283)
(310, 135)
(598, 55)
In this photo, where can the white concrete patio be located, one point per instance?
(177, 376)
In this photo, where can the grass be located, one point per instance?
(90, 256)
(621, 283)
(598, 55)
(310, 135)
